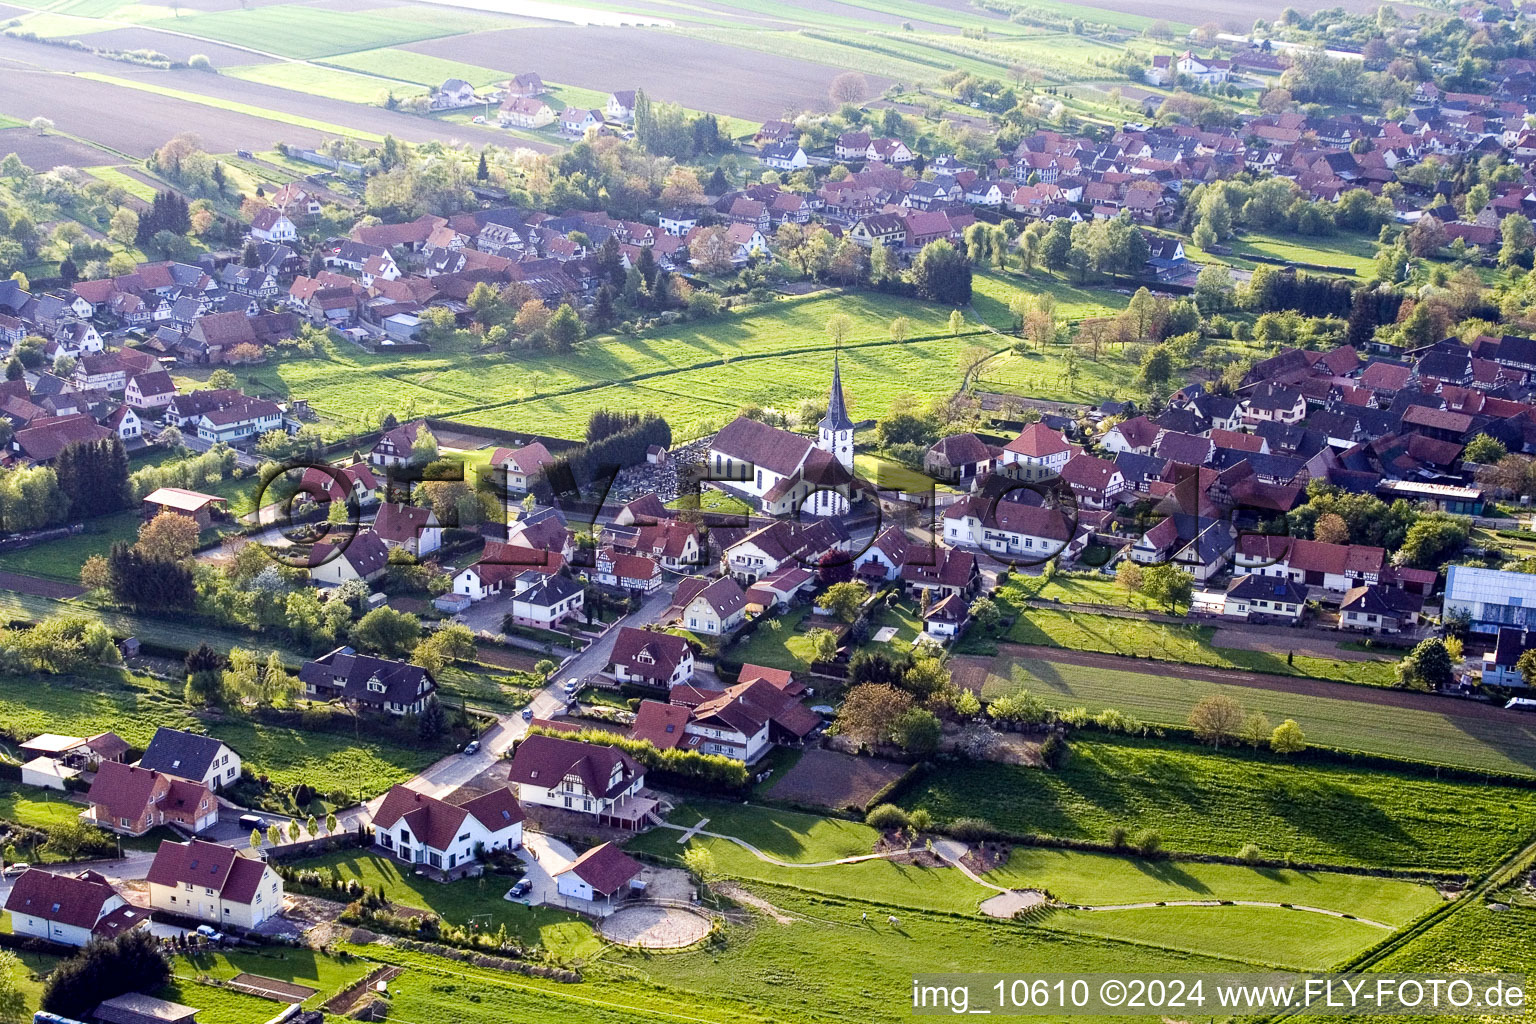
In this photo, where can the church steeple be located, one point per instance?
(835, 431)
(836, 419)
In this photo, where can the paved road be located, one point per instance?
(455, 770)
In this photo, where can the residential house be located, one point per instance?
(272, 225)
(363, 556)
(613, 568)
(1029, 534)
(783, 156)
(420, 829)
(650, 658)
(410, 528)
(239, 421)
(946, 617)
(545, 601)
(578, 121)
(188, 755)
(525, 112)
(712, 607)
(149, 392)
(1501, 666)
(69, 910)
(1379, 609)
(394, 447)
(1038, 453)
(219, 885)
(520, 467)
(620, 105)
(526, 84)
(1255, 598)
(454, 94)
(366, 682)
(601, 782)
(132, 800)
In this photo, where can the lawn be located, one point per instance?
(61, 559)
(326, 974)
(36, 808)
(784, 835)
(1096, 879)
(133, 706)
(785, 647)
(488, 687)
(323, 81)
(562, 933)
(1257, 935)
(1204, 802)
(1164, 697)
(115, 177)
(1342, 250)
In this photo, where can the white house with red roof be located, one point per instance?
(225, 887)
(712, 607)
(583, 778)
(420, 829)
(1038, 453)
(650, 658)
(520, 466)
(598, 875)
(272, 225)
(70, 910)
(411, 528)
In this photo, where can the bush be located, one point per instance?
(921, 820)
(1117, 836)
(1148, 843)
(970, 829)
(886, 817)
(1250, 853)
(1054, 751)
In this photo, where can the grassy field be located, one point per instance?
(37, 808)
(323, 81)
(1189, 644)
(564, 934)
(1204, 802)
(1094, 879)
(134, 706)
(1289, 940)
(1164, 697)
(114, 176)
(418, 68)
(61, 559)
(326, 974)
(699, 373)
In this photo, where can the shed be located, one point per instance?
(138, 1008)
(192, 504)
(402, 326)
(47, 773)
(599, 874)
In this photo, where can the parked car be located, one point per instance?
(11, 870)
(527, 714)
(207, 932)
(520, 889)
(473, 746)
(571, 686)
(253, 821)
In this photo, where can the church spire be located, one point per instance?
(836, 419)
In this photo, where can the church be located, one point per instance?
(785, 472)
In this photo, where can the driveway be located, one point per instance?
(544, 856)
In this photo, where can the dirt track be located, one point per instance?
(1263, 680)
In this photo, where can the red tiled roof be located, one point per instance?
(605, 868)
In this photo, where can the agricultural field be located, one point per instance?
(1216, 802)
(563, 934)
(304, 32)
(1417, 727)
(133, 706)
